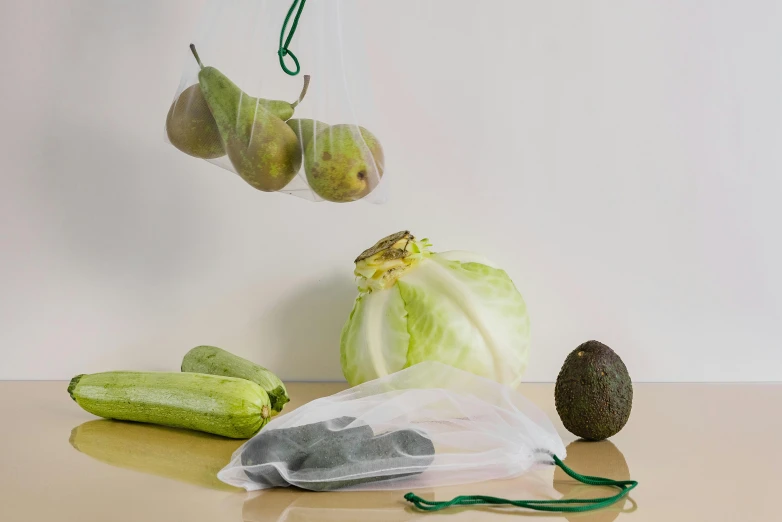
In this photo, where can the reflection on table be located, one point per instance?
(184, 455)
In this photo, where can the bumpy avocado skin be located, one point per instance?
(594, 393)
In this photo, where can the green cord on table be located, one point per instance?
(558, 506)
(283, 51)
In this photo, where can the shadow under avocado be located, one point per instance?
(183, 455)
(601, 459)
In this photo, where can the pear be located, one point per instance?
(190, 126)
(305, 129)
(283, 109)
(271, 158)
(343, 163)
(264, 151)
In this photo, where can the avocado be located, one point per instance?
(594, 393)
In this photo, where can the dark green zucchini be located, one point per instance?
(216, 361)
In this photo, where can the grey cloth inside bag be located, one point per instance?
(345, 448)
(428, 425)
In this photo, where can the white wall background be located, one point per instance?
(621, 159)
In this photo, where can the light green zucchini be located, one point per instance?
(216, 361)
(227, 406)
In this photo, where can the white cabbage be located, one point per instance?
(415, 305)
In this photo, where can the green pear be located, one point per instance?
(279, 108)
(271, 158)
(264, 151)
(343, 163)
(190, 126)
(305, 129)
(282, 109)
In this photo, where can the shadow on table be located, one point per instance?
(183, 455)
(195, 458)
(291, 504)
(601, 459)
(591, 458)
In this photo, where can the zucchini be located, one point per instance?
(226, 406)
(183, 455)
(216, 361)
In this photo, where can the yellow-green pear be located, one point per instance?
(305, 129)
(191, 127)
(343, 163)
(271, 158)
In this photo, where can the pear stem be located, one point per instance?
(195, 53)
(303, 91)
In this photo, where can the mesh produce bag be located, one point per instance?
(279, 94)
(426, 426)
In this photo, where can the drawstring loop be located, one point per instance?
(283, 50)
(572, 505)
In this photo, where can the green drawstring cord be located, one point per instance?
(283, 50)
(560, 506)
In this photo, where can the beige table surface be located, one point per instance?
(706, 452)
